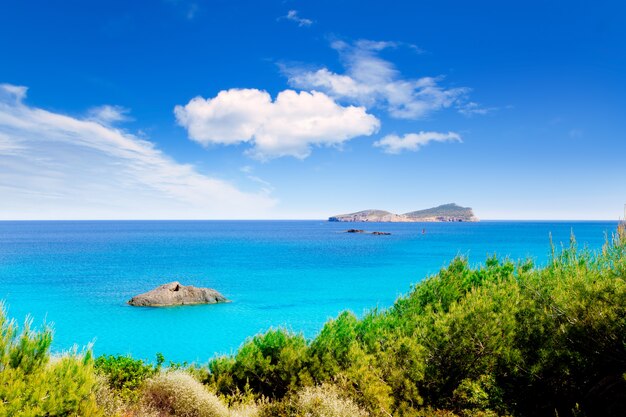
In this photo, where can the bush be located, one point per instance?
(124, 374)
(177, 393)
(505, 338)
(326, 401)
(111, 404)
(269, 364)
(33, 384)
(502, 339)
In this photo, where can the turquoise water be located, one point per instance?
(297, 274)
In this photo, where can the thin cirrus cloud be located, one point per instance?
(290, 125)
(54, 166)
(472, 108)
(372, 81)
(294, 16)
(394, 144)
(108, 115)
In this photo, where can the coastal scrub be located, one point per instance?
(503, 338)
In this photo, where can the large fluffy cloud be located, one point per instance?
(395, 144)
(54, 166)
(289, 125)
(370, 80)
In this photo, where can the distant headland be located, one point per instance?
(444, 213)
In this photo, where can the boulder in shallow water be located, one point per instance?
(175, 294)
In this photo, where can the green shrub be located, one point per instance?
(501, 339)
(270, 364)
(124, 374)
(505, 338)
(34, 384)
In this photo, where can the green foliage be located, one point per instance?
(501, 339)
(34, 384)
(505, 338)
(332, 351)
(125, 375)
(269, 364)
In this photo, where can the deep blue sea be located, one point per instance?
(295, 274)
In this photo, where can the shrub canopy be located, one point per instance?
(504, 338)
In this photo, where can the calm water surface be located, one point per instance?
(297, 274)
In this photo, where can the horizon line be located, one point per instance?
(303, 219)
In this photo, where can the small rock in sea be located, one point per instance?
(381, 233)
(175, 294)
(355, 231)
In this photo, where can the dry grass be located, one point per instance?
(326, 401)
(179, 394)
(249, 410)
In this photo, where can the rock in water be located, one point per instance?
(175, 294)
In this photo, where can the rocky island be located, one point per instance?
(175, 294)
(444, 213)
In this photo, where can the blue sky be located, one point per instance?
(302, 109)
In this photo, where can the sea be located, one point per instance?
(77, 276)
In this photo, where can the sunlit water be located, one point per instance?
(296, 274)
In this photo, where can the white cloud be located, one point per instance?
(54, 166)
(370, 80)
(294, 17)
(472, 108)
(10, 92)
(108, 114)
(246, 169)
(288, 126)
(249, 172)
(395, 144)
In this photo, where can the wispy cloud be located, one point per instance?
(472, 108)
(13, 93)
(293, 16)
(290, 125)
(395, 144)
(189, 8)
(53, 166)
(372, 81)
(249, 172)
(108, 114)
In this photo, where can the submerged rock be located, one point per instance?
(381, 233)
(175, 294)
(355, 231)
